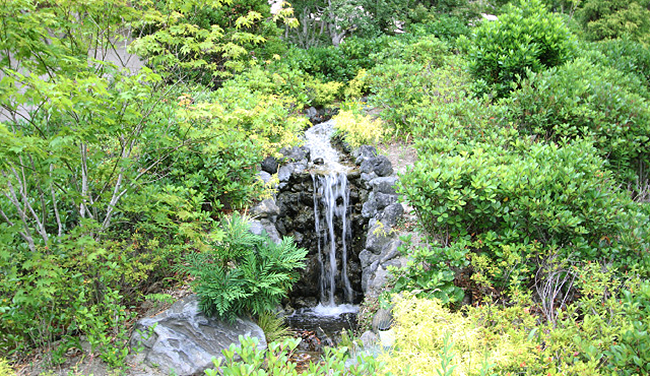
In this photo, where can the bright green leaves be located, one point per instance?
(245, 273)
(527, 36)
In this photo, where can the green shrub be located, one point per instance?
(412, 96)
(583, 100)
(507, 203)
(444, 27)
(244, 273)
(526, 37)
(430, 271)
(627, 56)
(610, 19)
(358, 129)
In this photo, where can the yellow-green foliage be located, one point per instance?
(323, 93)
(358, 129)
(5, 368)
(358, 86)
(423, 329)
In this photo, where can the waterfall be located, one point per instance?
(331, 205)
(331, 199)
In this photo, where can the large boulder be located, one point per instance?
(183, 340)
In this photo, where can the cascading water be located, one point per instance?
(333, 229)
(331, 202)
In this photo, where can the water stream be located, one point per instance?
(331, 223)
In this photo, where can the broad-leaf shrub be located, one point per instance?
(244, 273)
(501, 200)
(580, 100)
(526, 37)
(611, 19)
(627, 56)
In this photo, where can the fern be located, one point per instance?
(244, 273)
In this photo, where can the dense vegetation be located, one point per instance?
(532, 190)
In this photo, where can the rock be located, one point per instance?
(258, 227)
(270, 165)
(364, 152)
(384, 184)
(369, 208)
(296, 153)
(369, 339)
(265, 177)
(377, 281)
(184, 340)
(266, 209)
(383, 200)
(390, 251)
(312, 115)
(382, 166)
(366, 276)
(319, 161)
(391, 214)
(284, 173)
(379, 235)
(367, 258)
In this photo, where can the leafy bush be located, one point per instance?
(358, 129)
(430, 340)
(626, 56)
(277, 361)
(417, 98)
(430, 272)
(244, 272)
(583, 100)
(526, 37)
(610, 19)
(444, 27)
(508, 202)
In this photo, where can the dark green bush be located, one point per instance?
(583, 100)
(244, 273)
(506, 201)
(526, 37)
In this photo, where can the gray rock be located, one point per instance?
(384, 184)
(184, 341)
(270, 165)
(379, 235)
(390, 251)
(364, 152)
(382, 200)
(258, 227)
(367, 258)
(377, 281)
(265, 177)
(266, 209)
(312, 115)
(382, 166)
(284, 173)
(296, 153)
(369, 208)
(367, 274)
(391, 214)
(367, 177)
(369, 339)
